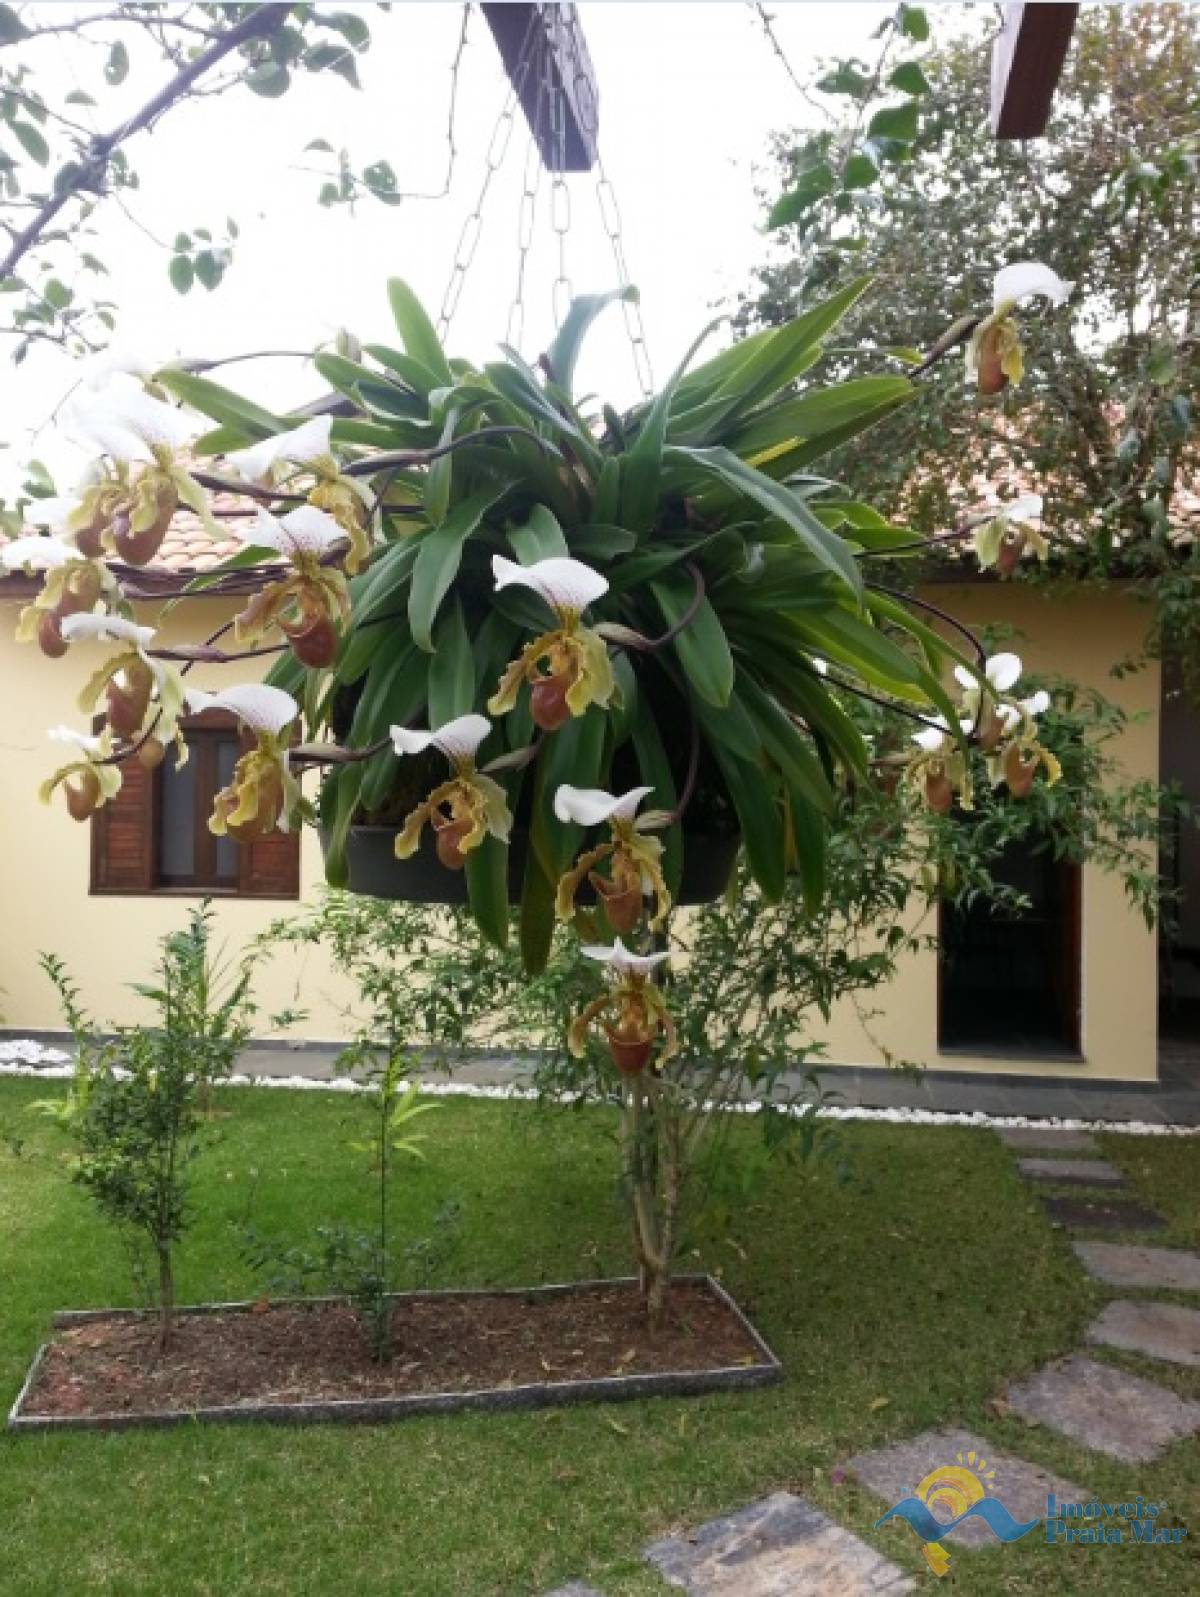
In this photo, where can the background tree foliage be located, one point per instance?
(64, 153)
(1103, 423)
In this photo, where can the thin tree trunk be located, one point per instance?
(166, 1300)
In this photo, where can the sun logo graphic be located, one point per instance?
(947, 1496)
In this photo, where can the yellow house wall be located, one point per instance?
(1079, 633)
(108, 941)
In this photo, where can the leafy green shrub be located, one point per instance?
(135, 1105)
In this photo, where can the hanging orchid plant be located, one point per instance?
(664, 605)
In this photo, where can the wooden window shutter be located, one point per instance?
(269, 868)
(123, 835)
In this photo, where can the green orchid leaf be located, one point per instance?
(487, 889)
(701, 645)
(781, 502)
(438, 560)
(541, 538)
(452, 669)
(417, 332)
(655, 770)
(223, 405)
(564, 350)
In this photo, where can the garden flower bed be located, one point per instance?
(298, 1361)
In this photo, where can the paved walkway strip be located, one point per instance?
(1156, 1330)
(1072, 1172)
(1105, 1408)
(1030, 1139)
(780, 1546)
(1126, 1265)
(893, 1473)
(1103, 1214)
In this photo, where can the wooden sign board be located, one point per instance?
(1027, 62)
(551, 38)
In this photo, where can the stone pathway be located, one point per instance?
(1072, 1172)
(782, 1546)
(1123, 1264)
(1028, 1139)
(1102, 1214)
(893, 1473)
(1105, 1408)
(779, 1547)
(1157, 1330)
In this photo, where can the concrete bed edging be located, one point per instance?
(540, 1394)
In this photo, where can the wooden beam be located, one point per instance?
(550, 39)
(1027, 62)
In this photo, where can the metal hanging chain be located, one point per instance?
(526, 221)
(610, 217)
(468, 239)
(631, 309)
(560, 196)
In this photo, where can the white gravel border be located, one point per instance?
(24, 1057)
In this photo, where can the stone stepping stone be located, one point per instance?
(1123, 1264)
(575, 1589)
(780, 1546)
(1105, 1408)
(1028, 1139)
(893, 1473)
(1103, 1214)
(1072, 1172)
(1158, 1330)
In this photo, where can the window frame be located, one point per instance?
(274, 860)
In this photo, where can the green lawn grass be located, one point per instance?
(900, 1301)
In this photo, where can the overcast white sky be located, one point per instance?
(689, 94)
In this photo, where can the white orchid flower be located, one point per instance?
(127, 424)
(634, 861)
(106, 629)
(464, 809)
(300, 446)
(578, 671)
(457, 740)
(933, 738)
(1012, 529)
(31, 553)
(621, 961)
(993, 351)
(1024, 510)
(89, 779)
(632, 1012)
(82, 742)
(305, 531)
(1001, 672)
(116, 361)
(568, 586)
(591, 806)
(1036, 705)
(263, 796)
(1025, 280)
(262, 708)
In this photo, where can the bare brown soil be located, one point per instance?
(296, 1353)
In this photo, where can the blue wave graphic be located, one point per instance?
(992, 1512)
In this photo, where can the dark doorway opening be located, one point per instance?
(1179, 928)
(1009, 982)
